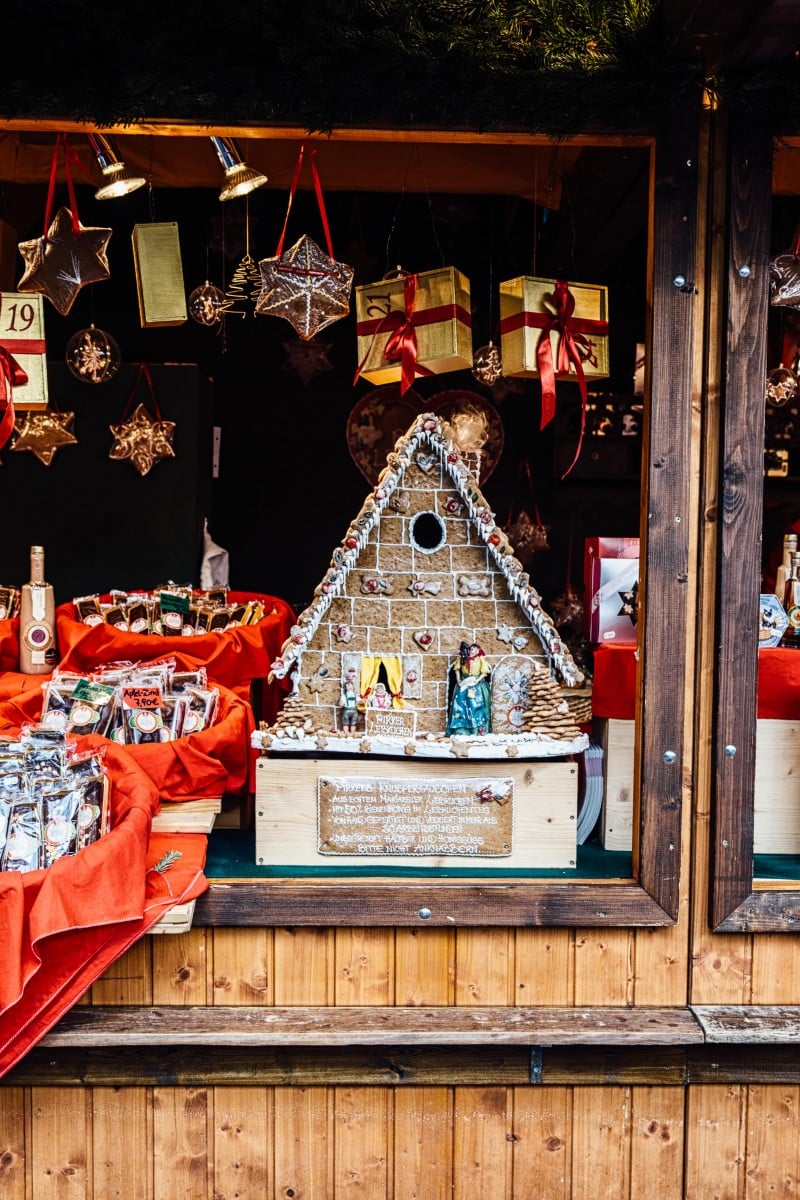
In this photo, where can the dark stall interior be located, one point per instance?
(286, 484)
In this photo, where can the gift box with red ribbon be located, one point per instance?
(552, 330)
(412, 326)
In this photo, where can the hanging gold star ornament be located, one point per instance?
(141, 439)
(44, 432)
(306, 286)
(68, 256)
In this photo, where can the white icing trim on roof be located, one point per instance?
(428, 430)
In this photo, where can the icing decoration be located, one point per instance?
(473, 585)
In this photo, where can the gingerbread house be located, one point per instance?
(423, 589)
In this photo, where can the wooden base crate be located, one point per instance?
(177, 919)
(545, 811)
(187, 816)
(616, 820)
(776, 820)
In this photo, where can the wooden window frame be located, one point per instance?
(737, 905)
(651, 896)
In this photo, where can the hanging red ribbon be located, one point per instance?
(401, 345)
(144, 374)
(70, 157)
(11, 376)
(571, 331)
(320, 201)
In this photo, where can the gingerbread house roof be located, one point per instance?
(430, 433)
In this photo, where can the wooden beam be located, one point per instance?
(221, 1025)
(605, 903)
(404, 1066)
(759, 1023)
(740, 515)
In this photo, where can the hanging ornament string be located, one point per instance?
(312, 154)
(69, 157)
(144, 374)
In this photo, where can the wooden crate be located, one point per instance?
(177, 920)
(545, 811)
(616, 822)
(776, 819)
(187, 816)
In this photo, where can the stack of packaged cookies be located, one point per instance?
(53, 801)
(170, 610)
(131, 703)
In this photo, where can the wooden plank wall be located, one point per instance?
(422, 1143)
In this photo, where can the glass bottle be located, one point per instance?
(37, 642)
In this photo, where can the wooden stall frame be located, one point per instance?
(651, 896)
(736, 904)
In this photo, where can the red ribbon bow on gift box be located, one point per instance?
(11, 376)
(401, 345)
(573, 347)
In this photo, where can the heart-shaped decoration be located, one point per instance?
(423, 638)
(425, 462)
(382, 416)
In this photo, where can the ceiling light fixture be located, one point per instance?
(239, 178)
(119, 180)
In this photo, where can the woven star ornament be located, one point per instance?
(65, 259)
(306, 286)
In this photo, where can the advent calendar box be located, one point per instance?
(611, 589)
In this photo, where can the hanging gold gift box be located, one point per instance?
(533, 310)
(414, 325)
(159, 275)
(554, 330)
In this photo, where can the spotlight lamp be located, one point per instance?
(239, 178)
(118, 179)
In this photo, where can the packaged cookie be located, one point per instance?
(142, 712)
(138, 617)
(46, 751)
(24, 836)
(117, 616)
(91, 708)
(59, 808)
(87, 610)
(201, 709)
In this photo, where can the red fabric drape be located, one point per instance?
(216, 760)
(9, 644)
(233, 658)
(62, 927)
(614, 687)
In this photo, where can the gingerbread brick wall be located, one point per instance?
(402, 599)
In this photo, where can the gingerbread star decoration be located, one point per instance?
(43, 433)
(64, 260)
(306, 286)
(142, 440)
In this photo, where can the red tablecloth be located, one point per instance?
(232, 658)
(61, 928)
(9, 644)
(614, 686)
(216, 760)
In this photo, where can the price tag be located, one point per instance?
(22, 335)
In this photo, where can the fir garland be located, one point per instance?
(548, 66)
